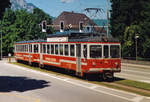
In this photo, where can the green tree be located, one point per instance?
(3, 5)
(130, 41)
(40, 16)
(128, 16)
(20, 26)
(8, 31)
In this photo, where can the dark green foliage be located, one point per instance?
(3, 5)
(129, 18)
(22, 25)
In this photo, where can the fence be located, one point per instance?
(132, 60)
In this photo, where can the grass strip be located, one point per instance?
(124, 89)
(136, 84)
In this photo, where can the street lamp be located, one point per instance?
(1, 46)
(136, 37)
(1, 42)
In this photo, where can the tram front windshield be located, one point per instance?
(115, 51)
(95, 51)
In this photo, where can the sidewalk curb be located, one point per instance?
(135, 65)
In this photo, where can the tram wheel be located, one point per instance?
(108, 76)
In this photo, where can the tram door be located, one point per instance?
(41, 54)
(30, 51)
(78, 59)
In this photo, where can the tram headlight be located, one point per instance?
(94, 63)
(117, 65)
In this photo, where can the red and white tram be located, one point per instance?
(79, 52)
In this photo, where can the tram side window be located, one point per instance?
(18, 48)
(72, 50)
(106, 51)
(30, 48)
(23, 48)
(56, 49)
(48, 49)
(66, 50)
(85, 51)
(115, 51)
(36, 50)
(52, 49)
(44, 48)
(61, 50)
(95, 51)
(26, 48)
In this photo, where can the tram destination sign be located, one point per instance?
(57, 39)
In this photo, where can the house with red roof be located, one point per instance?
(71, 21)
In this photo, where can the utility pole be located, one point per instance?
(1, 46)
(136, 37)
(93, 12)
(107, 14)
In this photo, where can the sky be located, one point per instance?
(55, 7)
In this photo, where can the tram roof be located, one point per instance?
(31, 41)
(84, 37)
(94, 39)
(77, 37)
(74, 34)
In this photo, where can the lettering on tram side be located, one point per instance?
(19, 55)
(50, 59)
(26, 55)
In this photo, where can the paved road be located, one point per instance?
(19, 84)
(135, 72)
(129, 71)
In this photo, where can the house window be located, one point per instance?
(88, 28)
(80, 26)
(61, 26)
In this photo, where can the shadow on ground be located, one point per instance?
(21, 84)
